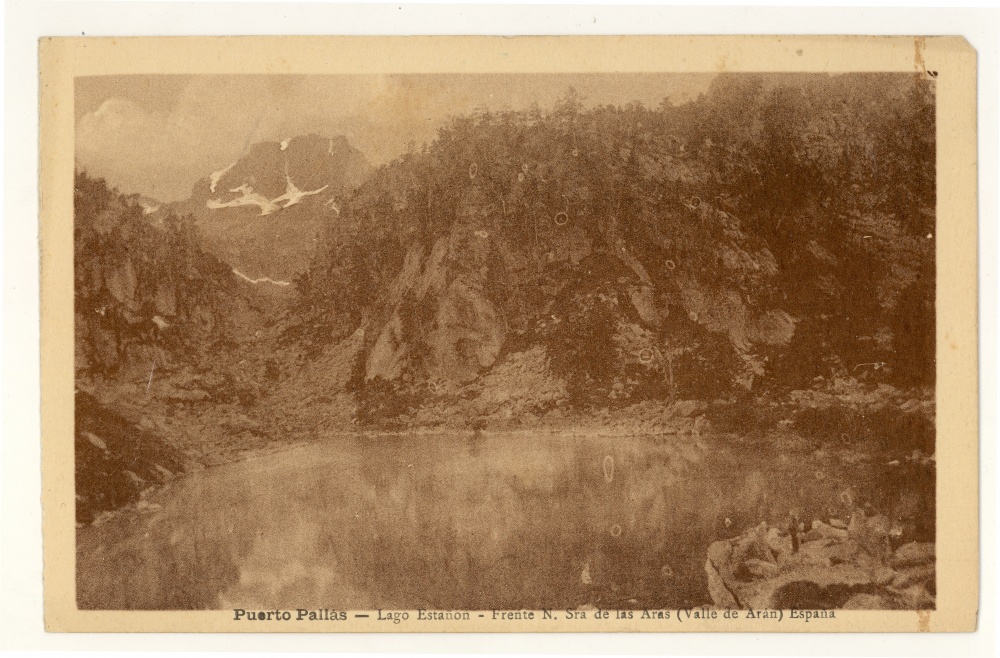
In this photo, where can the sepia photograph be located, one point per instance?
(428, 348)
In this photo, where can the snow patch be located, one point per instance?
(293, 194)
(263, 279)
(285, 142)
(148, 209)
(249, 197)
(217, 175)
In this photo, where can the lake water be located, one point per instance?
(458, 522)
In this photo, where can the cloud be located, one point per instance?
(162, 153)
(135, 149)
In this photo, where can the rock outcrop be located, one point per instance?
(438, 320)
(116, 460)
(829, 566)
(145, 291)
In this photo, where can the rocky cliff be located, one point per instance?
(650, 253)
(146, 294)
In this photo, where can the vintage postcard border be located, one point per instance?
(950, 60)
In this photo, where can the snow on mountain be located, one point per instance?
(216, 175)
(263, 279)
(249, 197)
(293, 194)
(285, 171)
(263, 212)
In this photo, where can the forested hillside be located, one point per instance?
(774, 231)
(576, 358)
(146, 292)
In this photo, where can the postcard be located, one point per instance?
(532, 334)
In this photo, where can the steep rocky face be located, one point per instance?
(682, 251)
(441, 322)
(262, 213)
(145, 292)
(467, 275)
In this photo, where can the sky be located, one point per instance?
(156, 135)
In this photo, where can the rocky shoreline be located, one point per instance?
(851, 566)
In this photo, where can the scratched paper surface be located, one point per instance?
(475, 334)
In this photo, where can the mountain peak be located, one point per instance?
(309, 162)
(262, 212)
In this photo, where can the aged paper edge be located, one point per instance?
(952, 58)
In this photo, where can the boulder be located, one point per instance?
(884, 575)
(910, 576)
(761, 569)
(779, 544)
(95, 440)
(722, 596)
(824, 530)
(867, 602)
(913, 553)
(914, 597)
(719, 553)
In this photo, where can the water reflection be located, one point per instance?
(465, 521)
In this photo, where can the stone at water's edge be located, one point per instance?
(830, 570)
(913, 553)
(116, 459)
(721, 595)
